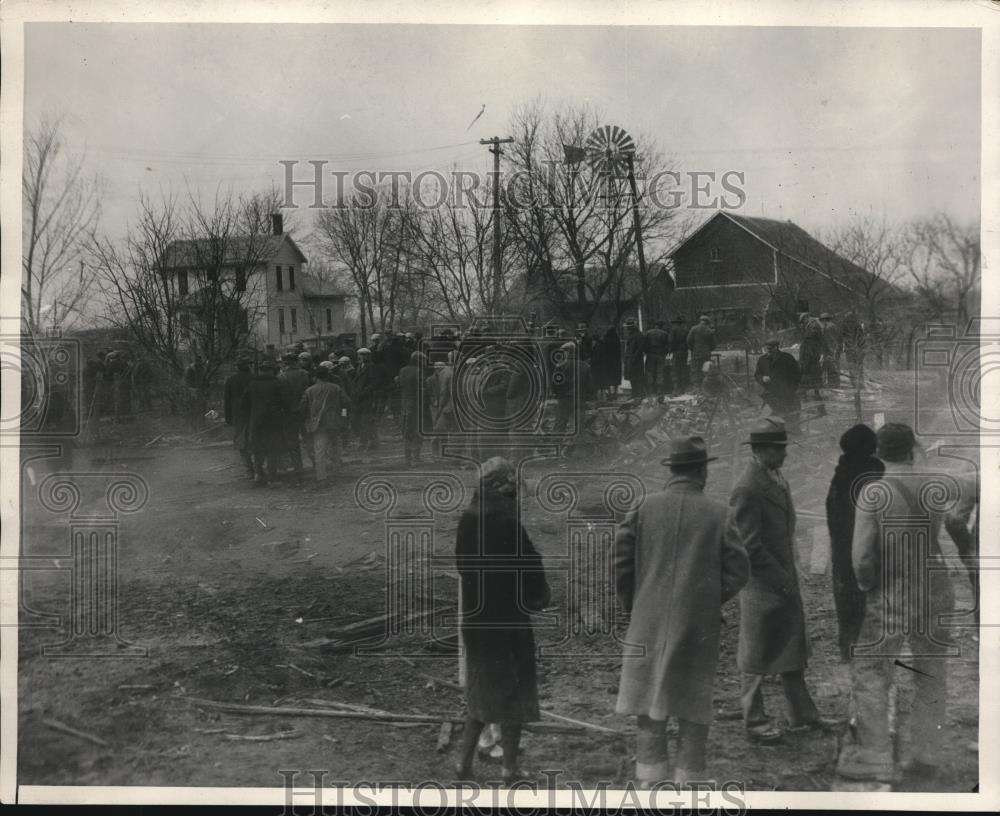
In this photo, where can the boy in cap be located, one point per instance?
(898, 563)
(681, 550)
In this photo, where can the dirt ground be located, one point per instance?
(228, 587)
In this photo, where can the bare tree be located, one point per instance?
(364, 236)
(944, 267)
(576, 221)
(451, 248)
(61, 207)
(189, 279)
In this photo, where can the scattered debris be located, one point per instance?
(136, 686)
(153, 441)
(56, 725)
(279, 735)
(261, 522)
(444, 737)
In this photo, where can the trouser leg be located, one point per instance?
(693, 746)
(871, 678)
(752, 700)
(652, 761)
(321, 443)
(799, 705)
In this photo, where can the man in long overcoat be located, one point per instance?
(635, 358)
(772, 637)
(415, 406)
(677, 559)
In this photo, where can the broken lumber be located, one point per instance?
(444, 737)
(388, 717)
(153, 441)
(280, 735)
(56, 725)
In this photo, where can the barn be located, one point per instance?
(755, 275)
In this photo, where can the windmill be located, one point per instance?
(610, 151)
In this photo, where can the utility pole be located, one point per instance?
(495, 143)
(644, 283)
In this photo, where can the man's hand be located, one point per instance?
(766, 379)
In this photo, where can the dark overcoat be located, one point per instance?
(677, 559)
(502, 580)
(772, 622)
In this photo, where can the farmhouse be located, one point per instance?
(266, 285)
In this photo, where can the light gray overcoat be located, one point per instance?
(677, 559)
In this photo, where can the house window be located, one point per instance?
(182, 282)
(329, 320)
(277, 277)
(291, 279)
(281, 321)
(714, 254)
(241, 280)
(295, 322)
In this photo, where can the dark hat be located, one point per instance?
(290, 356)
(803, 316)
(858, 441)
(688, 450)
(768, 431)
(895, 442)
(772, 341)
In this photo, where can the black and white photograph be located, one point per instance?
(492, 407)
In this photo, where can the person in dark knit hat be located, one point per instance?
(857, 467)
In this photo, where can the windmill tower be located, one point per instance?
(611, 152)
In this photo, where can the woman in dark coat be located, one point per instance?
(502, 580)
(857, 467)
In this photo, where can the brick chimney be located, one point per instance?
(277, 226)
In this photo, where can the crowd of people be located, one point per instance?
(681, 555)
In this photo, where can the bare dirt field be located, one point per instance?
(233, 590)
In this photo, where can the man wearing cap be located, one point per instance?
(441, 384)
(657, 369)
(264, 406)
(898, 564)
(833, 346)
(586, 342)
(679, 353)
(571, 386)
(324, 406)
(701, 344)
(414, 400)
(772, 637)
(810, 351)
(635, 362)
(778, 374)
(295, 378)
(232, 404)
(364, 390)
(677, 559)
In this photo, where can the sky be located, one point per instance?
(825, 123)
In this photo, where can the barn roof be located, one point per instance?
(238, 250)
(793, 242)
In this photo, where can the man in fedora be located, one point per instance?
(772, 637)
(677, 559)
